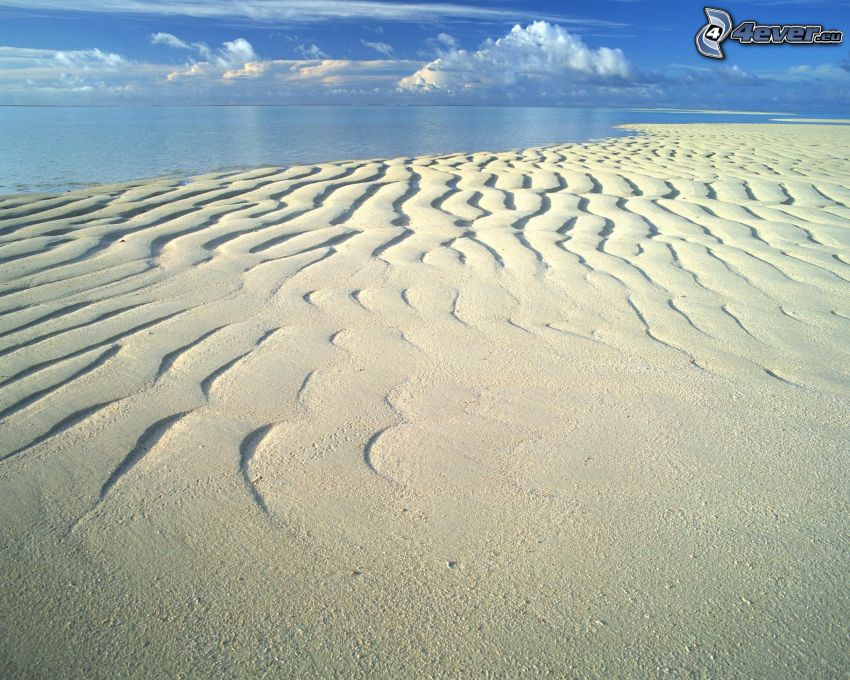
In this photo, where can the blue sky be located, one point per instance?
(548, 52)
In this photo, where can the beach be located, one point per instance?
(569, 411)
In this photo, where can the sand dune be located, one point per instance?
(578, 409)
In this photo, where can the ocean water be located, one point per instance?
(52, 149)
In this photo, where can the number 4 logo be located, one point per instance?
(714, 33)
(710, 36)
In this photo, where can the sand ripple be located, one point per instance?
(349, 327)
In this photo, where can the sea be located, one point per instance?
(51, 149)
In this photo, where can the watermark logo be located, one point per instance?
(709, 38)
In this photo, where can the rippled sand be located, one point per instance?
(578, 410)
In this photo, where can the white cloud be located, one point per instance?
(250, 69)
(306, 11)
(88, 60)
(360, 73)
(235, 53)
(311, 51)
(736, 74)
(380, 47)
(831, 72)
(231, 60)
(316, 74)
(447, 41)
(541, 53)
(30, 75)
(170, 40)
(308, 78)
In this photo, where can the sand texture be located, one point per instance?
(578, 411)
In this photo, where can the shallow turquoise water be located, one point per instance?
(59, 148)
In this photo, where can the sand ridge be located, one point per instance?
(412, 360)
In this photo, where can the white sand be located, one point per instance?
(580, 410)
(811, 120)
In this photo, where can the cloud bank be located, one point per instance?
(539, 63)
(540, 53)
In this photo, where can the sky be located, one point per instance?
(615, 53)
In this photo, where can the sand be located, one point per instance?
(578, 411)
